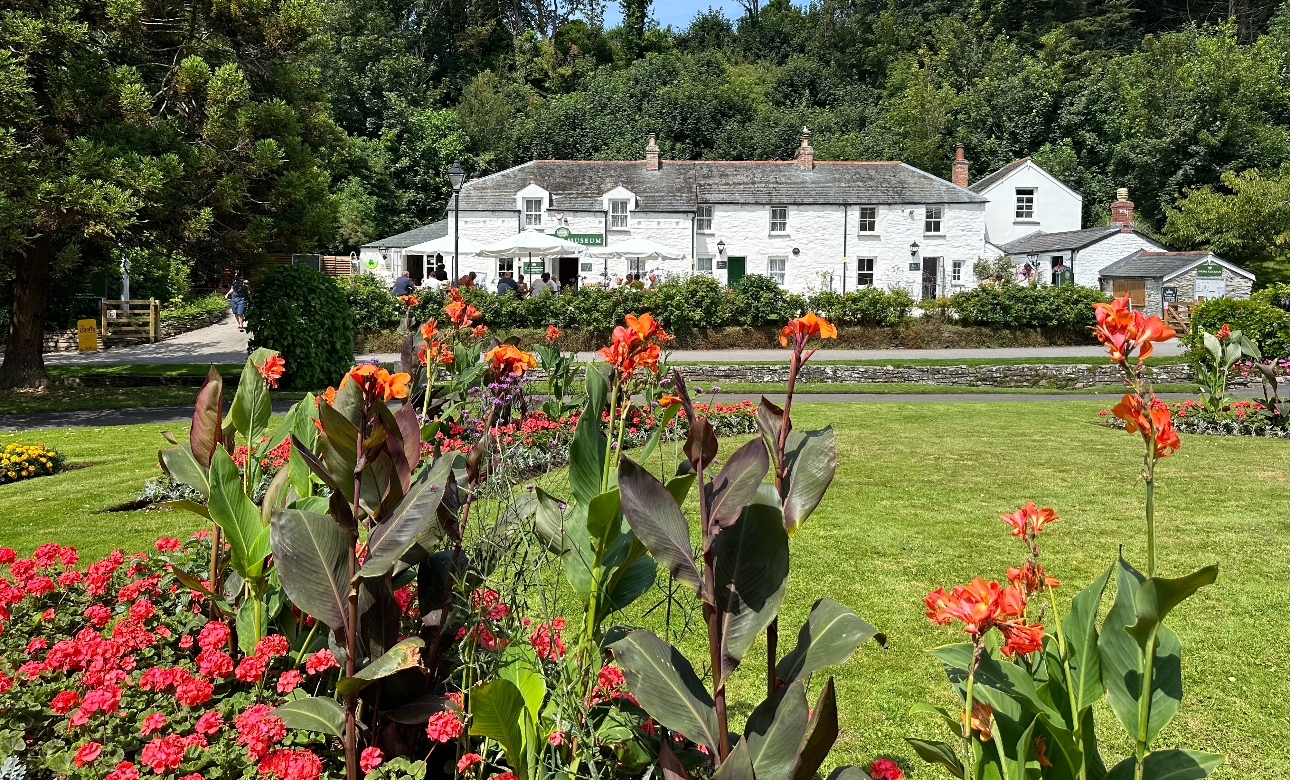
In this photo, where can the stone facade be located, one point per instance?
(1050, 375)
(1090, 261)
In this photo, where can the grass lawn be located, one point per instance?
(822, 358)
(141, 369)
(915, 505)
(916, 387)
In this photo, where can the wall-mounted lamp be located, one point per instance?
(721, 247)
(913, 249)
(796, 251)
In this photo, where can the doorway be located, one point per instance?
(568, 273)
(735, 270)
(415, 266)
(1136, 289)
(931, 277)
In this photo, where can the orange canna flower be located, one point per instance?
(1158, 420)
(668, 400)
(552, 333)
(272, 369)
(459, 312)
(979, 605)
(982, 720)
(380, 381)
(479, 331)
(429, 329)
(1224, 332)
(1027, 521)
(1030, 579)
(1021, 637)
(409, 300)
(631, 348)
(510, 359)
(1041, 752)
(800, 329)
(644, 325)
(327, 396)
(1123, 330)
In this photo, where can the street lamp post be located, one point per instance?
(456, 177)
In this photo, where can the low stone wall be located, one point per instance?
(65, 340)
(1055, 375)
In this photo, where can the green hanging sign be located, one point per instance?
(1212, 270)
(586, 239)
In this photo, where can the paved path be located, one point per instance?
(182, 414)
(219, 343)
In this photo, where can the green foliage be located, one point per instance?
(1266, 325)
(372, 305)
(1243, 221)
(867, 306)
(1276, 294)
(195, 308)
(1010, 305)
(303, 315)
(759, 300)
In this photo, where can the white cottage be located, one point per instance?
(1025, 199)
(806, 224)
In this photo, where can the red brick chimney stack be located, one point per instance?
(806, 152)
(651, 154)
(1122, 210)
(959, 175)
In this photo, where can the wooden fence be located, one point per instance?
(130, 319)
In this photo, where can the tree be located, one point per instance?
(178, 127)
(1247, 224)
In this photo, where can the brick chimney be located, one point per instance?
(651, 154)
(806, 152)
(1122, 210)
(959, 168)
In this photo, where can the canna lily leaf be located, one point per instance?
(603, 522)
(828, 637)
(208, 411)
(180, 464)
(311, 554)
(237, 516)
(1080, 627)
(672, 767)
(497, 711)
(750, 569)
(1159, 595)
(587, 457)
(316, 713)
(665, 419)
(664, 683)
(736, 484)
(770, 420)
(341, 511)
(937, 753)
(404, 655)
(565, 532)
(251, 409)
(416, 513)
(520, 666)
(812, 460)
(775, 731)
(1168, 765)
(656, 519)
(821, 733)
(701, 444)
(738, 765)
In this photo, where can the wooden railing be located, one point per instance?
(1178, 315)
(130, 318)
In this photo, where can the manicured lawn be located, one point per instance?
(915, 505)
(72, 399)
(821, 358)
(141, 369)
(915, 387)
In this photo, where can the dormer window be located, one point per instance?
(778, 219)
(617, 215)
(1025, 203)
(932, 220)
(532, 212)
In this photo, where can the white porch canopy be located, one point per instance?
(444, 246)
(531, 243)
(636, 248)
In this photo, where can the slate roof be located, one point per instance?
(1059, 242)
(414, 236)
(985, 183)
(1163, 265)
(679, 186)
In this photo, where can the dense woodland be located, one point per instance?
(191, 137)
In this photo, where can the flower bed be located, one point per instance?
(1240, 418)
(25, 461)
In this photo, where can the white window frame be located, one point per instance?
(933, 220)
(1025, 204)
(505, 265)
(532, 212)
(782, 223)
(781, 275)
(864, 271)
(618, 214)
(703, 265)
(867, 224)
(636, 265)
(703, 220)
(956, 271)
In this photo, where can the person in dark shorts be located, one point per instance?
(239, 295)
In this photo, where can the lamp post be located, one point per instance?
(913, 257)
(456, 177)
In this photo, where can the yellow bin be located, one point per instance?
(87, 335)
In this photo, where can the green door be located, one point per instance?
(734, 270)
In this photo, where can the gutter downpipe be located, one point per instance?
(845, 211)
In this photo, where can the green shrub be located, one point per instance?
(1265, 324)
(686, 304)
(1277, 295)
(759, 300)
(204, 306)
(1027, 306)
(303, 314)
(868, 306)
(372, 306)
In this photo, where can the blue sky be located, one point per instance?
(677, 13)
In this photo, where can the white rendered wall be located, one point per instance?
(1057, 207)
(1090, 260)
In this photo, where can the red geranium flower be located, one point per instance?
(370, 759)
(87, 753)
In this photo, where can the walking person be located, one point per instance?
(238, 295)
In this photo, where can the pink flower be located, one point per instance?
(556, 738)
(124, 771)
(87, 753)
(64, 702)
(154, 722)
(213, 636)
(320, 661)
(208, 723)
(444, 726)
(250, 670)
(370, 759)
(885, 769)
(288, 680)
(163, 754)
(467, 761)
(271, 646)
(214, 663)
(167, 544)
(291, 765)
(185, 642)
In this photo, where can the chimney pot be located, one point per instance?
(651, 154)
(806, 152)
(1122, 210)
(959, 168)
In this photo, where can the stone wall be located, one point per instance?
(1037, 375)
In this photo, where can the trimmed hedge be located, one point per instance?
(303, 314)
(371, 304)
(1265, 324)
(1027, 306)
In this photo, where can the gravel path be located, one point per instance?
(218, 343)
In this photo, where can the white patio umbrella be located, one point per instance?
(532, 243)
(641, 248)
